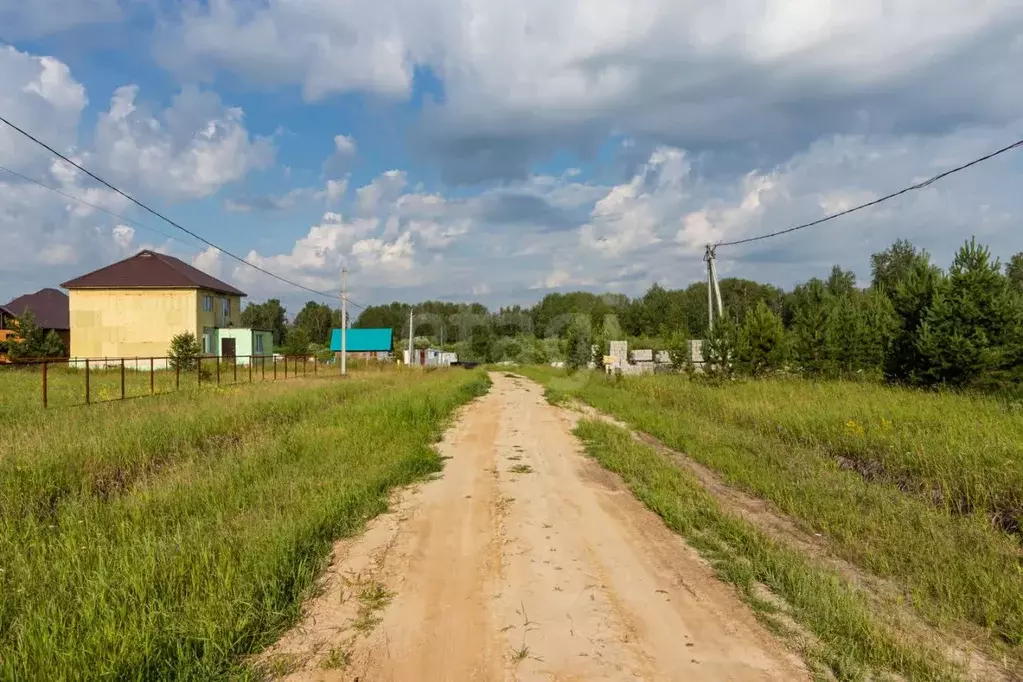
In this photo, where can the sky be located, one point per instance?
(493, 151)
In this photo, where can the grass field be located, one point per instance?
(21, 388)
(168, 537)
(918, 488)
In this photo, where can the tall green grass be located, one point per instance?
(953, 566)
(21, 387)
(208, 556)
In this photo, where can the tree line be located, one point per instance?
(915, 323)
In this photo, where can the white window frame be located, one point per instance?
(225, 308)
(207, 304)
(207, 341)
(258, 345)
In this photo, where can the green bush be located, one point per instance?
(184, 352)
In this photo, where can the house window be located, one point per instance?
(207, 341)
(259, 344)
(225, 308)
(207, 304)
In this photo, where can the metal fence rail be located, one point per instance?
(125, 378)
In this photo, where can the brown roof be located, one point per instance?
(49, 306)
(150, 270)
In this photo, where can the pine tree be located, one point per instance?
(965, 335)
(578, 344)
(811, 304)
(911, 299)
(761, 342)
(1014, 271)
(881, 324)
(719, 348)
(34, 342)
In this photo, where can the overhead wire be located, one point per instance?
(80, 200)
(875, 202)
(154, 212)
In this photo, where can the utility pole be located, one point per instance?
(344, 321)
(410, 335)
(713, 290)
(710, 293)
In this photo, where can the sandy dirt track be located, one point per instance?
(553, 573)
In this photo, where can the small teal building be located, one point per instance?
(241, 342)
(367, 343)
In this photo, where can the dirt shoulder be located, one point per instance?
(525, 560)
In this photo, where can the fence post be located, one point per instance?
(218, 370)
(198, 371)
(177, 376)
(235, 359)
(275, 368)
(87, 397)
(122, 378)
(305, 366)
(250, 368)
(44, 385)
(316, 363)
(152, 377)
(285, 366)
(262, 366)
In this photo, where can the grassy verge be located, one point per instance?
(953, 568)
(847, 639)
(21, 386)
(208, 557)
(102, 450)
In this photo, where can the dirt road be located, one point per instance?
(524, 560)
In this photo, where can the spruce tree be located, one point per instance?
(762, 344)
(911, 299)
(965, 335)
(810, 308)
(719, 348)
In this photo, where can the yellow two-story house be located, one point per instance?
(133, 308)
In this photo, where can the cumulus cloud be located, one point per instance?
(344, 145)
(39, 94)
(521, 80)
(209, 261)
(331, 193)
(188, 151)
(325, 46)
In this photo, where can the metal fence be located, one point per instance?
(87, 381)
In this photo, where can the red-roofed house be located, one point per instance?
(133, 308)
(48, 306)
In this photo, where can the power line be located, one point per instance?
(875, 202)
(88, 203)
(163, 217)
(108, 211)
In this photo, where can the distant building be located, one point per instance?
(430, 357)
(49, 307)
(367, 344)
(133, 308)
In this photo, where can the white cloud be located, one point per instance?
(345, 145)
(40, 95)
(630, 216)
(377, 255)
(41, 17)
(336, 190)
(327, 46)
(524, 80)
(209, 261)
(124, 236)
(189, 151)
(384, 190)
